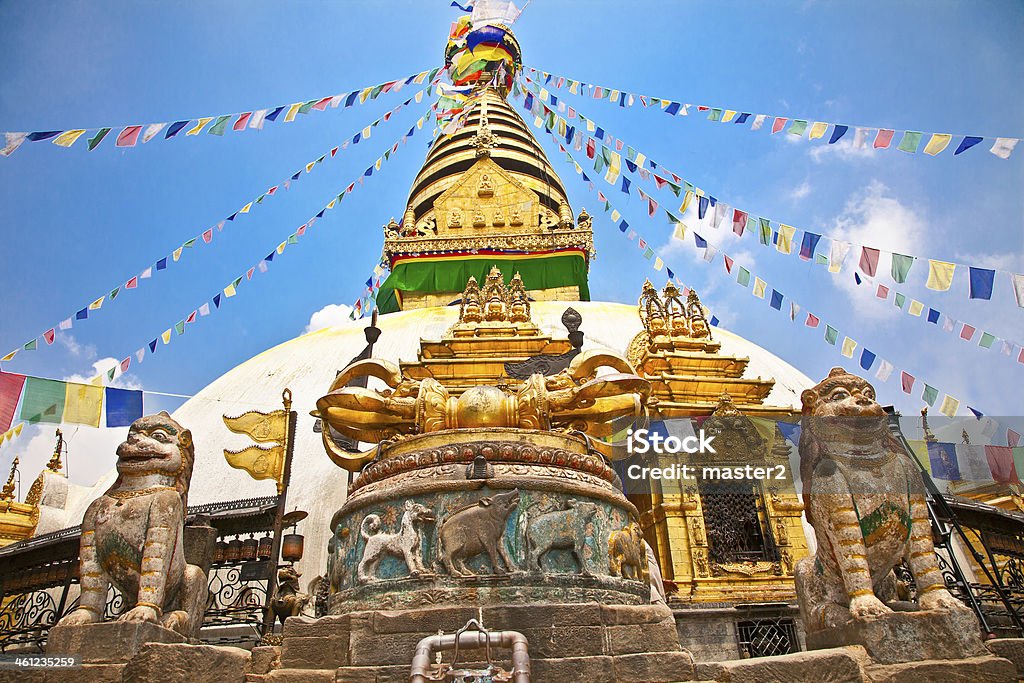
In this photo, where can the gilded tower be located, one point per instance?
(486, 195)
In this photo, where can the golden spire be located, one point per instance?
(8, 490)
(55, 464)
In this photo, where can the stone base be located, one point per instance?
(584, 642)
(1009, 648)
(907, 636)
(108, 642)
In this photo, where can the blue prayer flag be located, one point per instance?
(933, 316)
(776, 301)
(838, 131)
(152, 346)
(82, 314)
(623, 226)
(700, 241)
(977, 413)
(631, 166)
(702, 207)
(350, 100)
(672, 108)
(464, 9)
(867, 359)
(742, 118)
(625, 184)
(46, 135)
(714, 321)
(174, 129)
(942, 457)
(162, 264)
(599, 133)
(124, 406)
(272, 116)
(216, 300)
(981, 283)
(968, 142)
(808, 245)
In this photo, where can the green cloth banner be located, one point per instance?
(43, 400)
(451, 275)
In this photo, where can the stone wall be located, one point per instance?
(710, 634)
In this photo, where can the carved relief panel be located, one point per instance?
(488, 200)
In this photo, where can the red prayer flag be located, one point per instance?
(129, 136)
(590, 148)
(652, 207)
(49, 336)
(883, 292)
(868, 261)
(208, 236)
(301, 230)
(739, 221)
(248, 274)
(812, 320)
(701, 107)
(907, 381)
(322, 104)
(242, 121)
(10, 392)
(883, 138)
(728, 264)
(133, 283)
(1000, 463)
(334, 150)
(966, 332)
(191, 317)
(125, 364)
(780, 123)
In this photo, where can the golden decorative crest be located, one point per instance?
(8, 492)
(666, 315)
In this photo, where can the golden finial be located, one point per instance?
(928, 436)
(55, 464)
(8, 490)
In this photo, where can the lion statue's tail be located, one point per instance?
(369, 527)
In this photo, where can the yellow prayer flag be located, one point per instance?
(166, 336)
(260, 462)
(245, 209)
(640, 159)
(915, 308)
(948, 408)
(420, 77)
(561, 126)
(263, 427)
(377, 164)
(367, 131)
(331, 204)
(229, 291)
(920, 449)
(200, 124)
(658, 263)
(940, 275)
(419, 123)
(574, 87)
(785, 240)
(177, 253)
(591, 127)
(614, 167)
(309, 166)
(537, 122)
(727, 116)
(97, 381)
(544, 94)
(680, 232)
(687, 198)
(665, 103)
(419, 97)
(818, 129)
(364, 94)
(95, 305)
(280, 247)
(292, 111)
(848, 346)
(68, 137)
(938, 142)
(613, 95)
(616, 215)
(9, 356)
(83, 404)
(759, 286)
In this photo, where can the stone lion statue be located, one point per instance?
(864, 497)
(132, 536)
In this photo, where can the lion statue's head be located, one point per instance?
(156, 444)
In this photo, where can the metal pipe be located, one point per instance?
(473, 639)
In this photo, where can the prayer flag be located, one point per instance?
(124, 406)
(949, 407)
(1001, 464)
(899, 300)
(12, 141)
(982, 280)
(884, 371)
(860, 137)
(868, 261)
(968, 142)
(166, 336)
(808, 244)
(940, 275)
(67, 138)
(739, 222)
(987, 340)
(838, 131)
(200, 124)
(1003, 147)
(797, 127)
(95, 140)
(776, 301)
(794, 308)
(220, 125)
(910, 142)
(883, 138)
(848, 347)
(867, 359)
(174, 129)
(10, 392)
(1012, 438)
(831, 334)
(906, 381)
(967, 332)
(937, 143)
(785, 241)
(817, 130)
(779, 124)
(838, 255)
(83, 404)
(812, 320)
(882, 292)
(1018, 288)
(942, 459)
(759, 286)
(916, 308)
(242, 121)
(901, 267)
(43, 401)
(930, 394)
(758, 122)
(152, 130)
(743, 277)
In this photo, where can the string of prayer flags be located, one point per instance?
(51, 401)
(128, 136)
(910, 140)
(206, 237)
(773, 233)
(232, 288)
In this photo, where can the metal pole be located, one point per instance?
(268, 613)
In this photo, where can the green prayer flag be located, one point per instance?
(765, 234)
(179, 327)
(376, 91)
(191, 243)
(676, 190)
(910, 141)
(237, 282)
(259, 200)
(114, 293)
(831, 334)
(986, 340)
(899, 300)
(797, 127)
(304, 109)
(293, 239)
(387, 154)
(598, 163)
(821, 259)
(901, 267)
(43, 400)
(743, 278)
(219, 125)
(98, 138)
(930, 394)
(715, 115)
(31, 346)
(321, 158)
(110, 373)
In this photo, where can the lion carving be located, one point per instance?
(132, 536)
(865, 499)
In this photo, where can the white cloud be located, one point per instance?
(90, 452)
(800, 191)
(330, 315)
(873, 218)
(843, 149)
(77, 350)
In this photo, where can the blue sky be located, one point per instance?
(76, 224)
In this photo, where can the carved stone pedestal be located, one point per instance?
(582, 642)
(907, 636)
